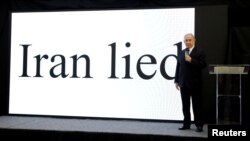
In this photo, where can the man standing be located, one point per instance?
(188, 76)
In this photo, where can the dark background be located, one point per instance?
(223, 32)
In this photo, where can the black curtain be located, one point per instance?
(4, 58)
(239, 53)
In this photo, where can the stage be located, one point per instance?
(55, 128)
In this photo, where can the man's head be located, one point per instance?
(189, 40)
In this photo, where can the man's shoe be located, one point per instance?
(184, 128)
(199, 129)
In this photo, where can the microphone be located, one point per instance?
(187, 51)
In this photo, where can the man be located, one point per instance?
(188, 76)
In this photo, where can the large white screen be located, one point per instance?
(119, 74)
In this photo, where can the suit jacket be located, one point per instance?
(189, 74)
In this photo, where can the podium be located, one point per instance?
(228, 70)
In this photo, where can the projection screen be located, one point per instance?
(98, 63)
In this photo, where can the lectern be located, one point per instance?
(228, 70)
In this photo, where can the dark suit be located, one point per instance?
(188, 76)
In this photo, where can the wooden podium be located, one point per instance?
(228, 70)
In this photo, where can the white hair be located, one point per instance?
(189, 34)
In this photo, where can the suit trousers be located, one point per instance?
(194, 94)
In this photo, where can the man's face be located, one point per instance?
(189, 41)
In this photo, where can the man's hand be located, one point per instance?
(177, 86)
(188, 58)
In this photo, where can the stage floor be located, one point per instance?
(99, 126)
